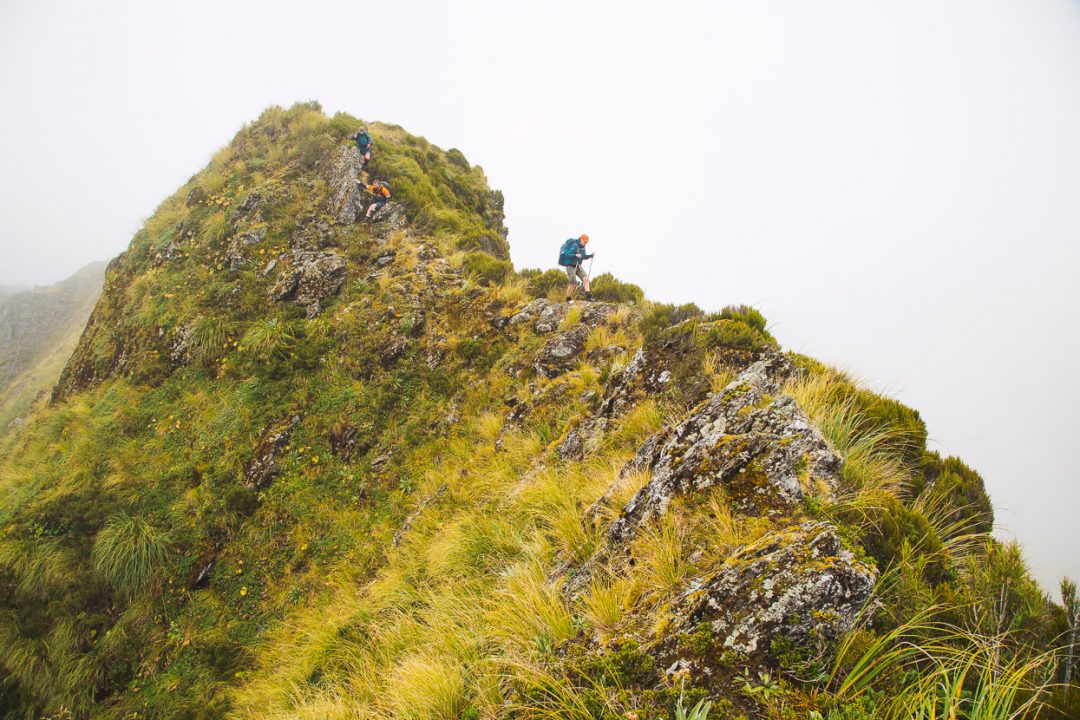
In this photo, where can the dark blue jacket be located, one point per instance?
(363, 141)
(577, 249)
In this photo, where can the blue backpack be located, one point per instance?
(568, 253)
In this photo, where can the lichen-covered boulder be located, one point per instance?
(546, 316)
(311, 278)
(248, 210)
(760, 447)
(801, 583)
(345, 199)
(389, 219)
(542, 313)
(312, 233)
(595, 313)
(582, 439)
(561, 352)
(235, 258)
(645, 374)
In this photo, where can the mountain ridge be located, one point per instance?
(39, 327)
(300, 465)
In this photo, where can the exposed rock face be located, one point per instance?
(544, 314)
(313, 277)
(560, 353)
(182, 343)
(802, 584)
(247, 210)
(234, 256)
(644, 375)
(262, 467)
(762, 449)
(312, 233)
(389, 219)
(346, 197)
(582, 439)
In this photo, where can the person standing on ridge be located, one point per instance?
(571, 254)
(364, 143)
(381, 191)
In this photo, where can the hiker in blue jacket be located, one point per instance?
(571, 254)
(364, 144)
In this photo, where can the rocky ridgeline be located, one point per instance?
(799, 582)
(397, 377)
(309, 273)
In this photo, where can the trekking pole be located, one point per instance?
(590, 266)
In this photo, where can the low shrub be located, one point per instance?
(544, 282)
(661, 316)
(487, 270)
(744, 314)
(608, 287)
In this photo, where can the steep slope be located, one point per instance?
(301, 465)
(38, 330)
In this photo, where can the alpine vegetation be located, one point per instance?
(322, 452)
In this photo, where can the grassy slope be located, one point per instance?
(401, 562)
(17, 397)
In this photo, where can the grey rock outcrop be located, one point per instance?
(761, 448)
(346, 198)
(234, 257)
(801, 583)
(544, 315)
(389, 219)
(643, 375)
(312, 277)
(262, 468)
(560, 353)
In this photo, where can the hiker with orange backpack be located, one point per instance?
(380, 190)
(571, 254)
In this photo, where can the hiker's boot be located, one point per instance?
(569, 299)
(588, 296)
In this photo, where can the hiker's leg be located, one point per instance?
(584, 278)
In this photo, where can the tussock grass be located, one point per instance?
(268, 338)
(545, 695)
(38, 566)
(214, 228)
(210, 337)
(531, 614)
(606, 335)
(926, 668)
(426, 686)
(719, 376)
(129, 552)
(662, 555)
(605, 602)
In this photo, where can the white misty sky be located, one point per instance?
(894, 184)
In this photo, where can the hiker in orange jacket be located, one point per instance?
(381, 192)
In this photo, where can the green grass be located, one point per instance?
(409, 556)
(129, 552)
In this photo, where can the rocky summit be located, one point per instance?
(305, 464)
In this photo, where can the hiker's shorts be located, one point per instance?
(572, 270)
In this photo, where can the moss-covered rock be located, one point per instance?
(800, 583)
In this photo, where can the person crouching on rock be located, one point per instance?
(381, 191)
(571, 254)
